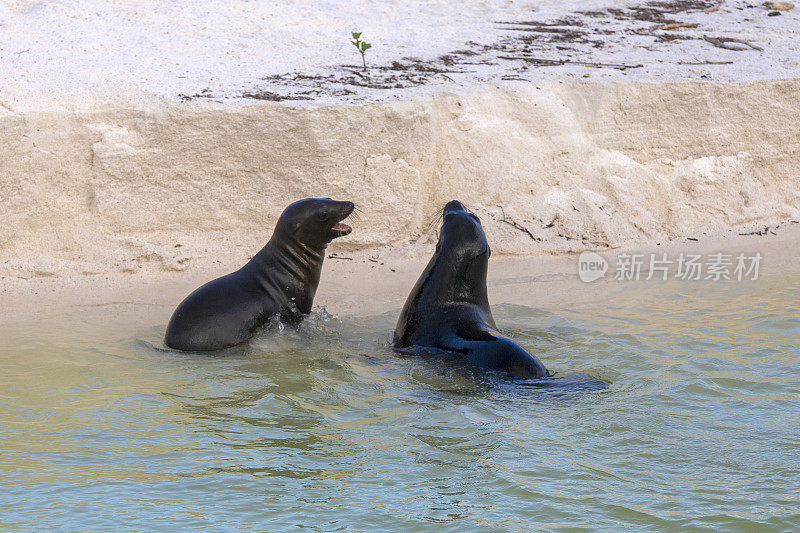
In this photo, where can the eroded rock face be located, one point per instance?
(561, 167)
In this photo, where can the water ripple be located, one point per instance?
(325, 428)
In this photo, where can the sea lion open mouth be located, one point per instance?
(340, 212)
(340, 229)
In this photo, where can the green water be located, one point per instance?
(326, 429)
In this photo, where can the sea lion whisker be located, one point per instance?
(437, 217)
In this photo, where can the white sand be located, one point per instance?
(87, 49)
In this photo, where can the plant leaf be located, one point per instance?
(365, 46)
(356, 35)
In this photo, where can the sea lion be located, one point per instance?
(448, 308)
(281, 278)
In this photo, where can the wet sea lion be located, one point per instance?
(448, 308)
(281, 278)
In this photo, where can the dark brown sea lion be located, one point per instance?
(281, 279)
(448, 308)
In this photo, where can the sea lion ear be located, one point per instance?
(290, 219)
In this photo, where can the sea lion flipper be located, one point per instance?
(474, 331)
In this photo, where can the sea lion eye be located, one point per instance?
(322, 215)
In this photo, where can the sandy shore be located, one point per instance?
(378, 281)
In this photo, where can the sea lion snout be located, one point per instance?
(336, 210)
(345, 208)
(455, 212)
(452, 206)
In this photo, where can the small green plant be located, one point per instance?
(361, 46)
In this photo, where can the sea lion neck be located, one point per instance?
(448, 279)
(300, 261)
(296, 255)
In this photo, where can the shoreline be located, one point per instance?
(378, 281)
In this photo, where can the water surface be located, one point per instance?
(324, 428)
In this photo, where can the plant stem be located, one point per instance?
(364, 61)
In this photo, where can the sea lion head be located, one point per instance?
(315, 221)
(462, 240)
(457, 271)
(455, 275)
